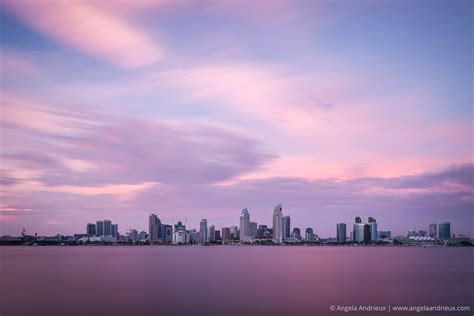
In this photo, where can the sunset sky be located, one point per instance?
(198, 109)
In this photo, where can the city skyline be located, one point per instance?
(197, 110)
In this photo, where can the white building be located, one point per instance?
(181, 236)
(244, 224)
(278, 224)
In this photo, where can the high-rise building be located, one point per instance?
(296, 234)
(114, 231)
(373, 229)
(261, 230)
(133, 235)
(278, 224)
(309, 234)
(444, 230)
(181, 236)
(244, 224)
(203, 232)
(99, 228)
(167, 232)
(107, 227)
(142, 236)
(226, 234)
(286, 227)
(212, 233)
(253, 229)
(90, 230)
(217, 235)
(341, 232)
(358, 220)
(154, 225)
(433, 231)
(234, 232)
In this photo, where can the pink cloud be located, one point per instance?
(88, 29)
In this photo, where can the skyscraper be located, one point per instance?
(107, 227)
(261, 229)
(433, 231)
(244, 224)
(278, 224)
(167, 232)
(373, 229)
(253, 229)
(296, 233)
(286, 227)
(154, 224)
(444, 230)
(212, 233)
(203, 233)
(309, 234)
(90, 230)
(114, 231)
(234, 232)
(341, 232)
(99, 228)
(226, 234)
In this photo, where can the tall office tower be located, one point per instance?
(278, 224)
(226, 234)
(253, 229)
(261, 229)
(90, 230)
(341, 232)
(358, 231)
(433, 231)
(212, 233)
(107, 227)
(167, 232)
(99, 228)
(286, 227)
(203, 232)
(309, 234)
(114, 231)
(234, 232)
(358, 220)
(217, 235)
(154, 224)
(296, 233)
(367, 235)
(444, 230)
(244, 224)
(373, 229)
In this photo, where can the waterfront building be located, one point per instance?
(341, 232)
(234, 232)
(194, 235)
(99, 228)
(444, 230)
(296, 233)
(212, 233)
(373, 229)
(359, 232)
(244, 225)
(385, 234)
(142, 236)
(433, 231)
(286, 227)
(253, 229)
(278, 224)
(90, 230)
(217, 235)
(423, 233)
(114, 231)
(179, 225)
(226, 234)
(181, 236)
(107, 227)
(154, 224)
(203, 232)
(261, 230)
(166, 232)
(309, 234)
(133, 235)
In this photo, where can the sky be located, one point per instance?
(198, 109)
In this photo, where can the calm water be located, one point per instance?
(229, 280)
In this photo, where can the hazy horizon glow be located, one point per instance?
(197, 110)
